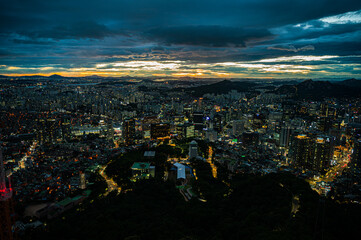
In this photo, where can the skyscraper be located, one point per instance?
(285, 135)
(198, 121)
(302, 150)
(322, 155)
(129, 131)
(217, 123)
(237, 127)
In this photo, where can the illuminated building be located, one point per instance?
(142, 170)
(110, 131)
(312, 153)
(179, 130)
(129, 131)
(322, 155)
(146, 125)
(356, 154)
(301, 151)
(285, 135)
(65, 129)
(211, 135)
(6, 206)
(193, 149)
(160, 130)
(178, 120)
(217, 125)
(189, 130)
(82, 184)
(325, 124)
(324, 110)
(85, 130)
(46, 130)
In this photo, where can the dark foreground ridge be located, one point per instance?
(258, 208)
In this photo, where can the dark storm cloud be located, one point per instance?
(77, 30)
(5, 53)
(339, 48)
(209, 36)
(180, 12)
(30, 41)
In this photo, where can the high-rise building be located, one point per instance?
(198, 121)
(46, 130)
(322, 155)
(325, 124)
(160, 130)
(129, 131)
(65, 129)
(110, 130)
(211, 135)
(324, 109)
(217, 123)
(146, 125)
(302, 150)
(285, 136)
(193, 149)
(237, 127)
(188, 129)
(313, 153)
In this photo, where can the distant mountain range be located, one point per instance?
(221, 87)
(317, 90)
(308, 89)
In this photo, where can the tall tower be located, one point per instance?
(5, 204)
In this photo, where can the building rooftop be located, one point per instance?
(65, 202)
(140, 165)
(149, 153)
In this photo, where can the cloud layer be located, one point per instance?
(195, 38)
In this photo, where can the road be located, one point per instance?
(318, 183)
(112, 185)
(209, 160)
(28, 154)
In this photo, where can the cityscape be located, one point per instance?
(180, 120)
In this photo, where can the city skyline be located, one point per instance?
(202, 39)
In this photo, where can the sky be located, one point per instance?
(182, 38)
